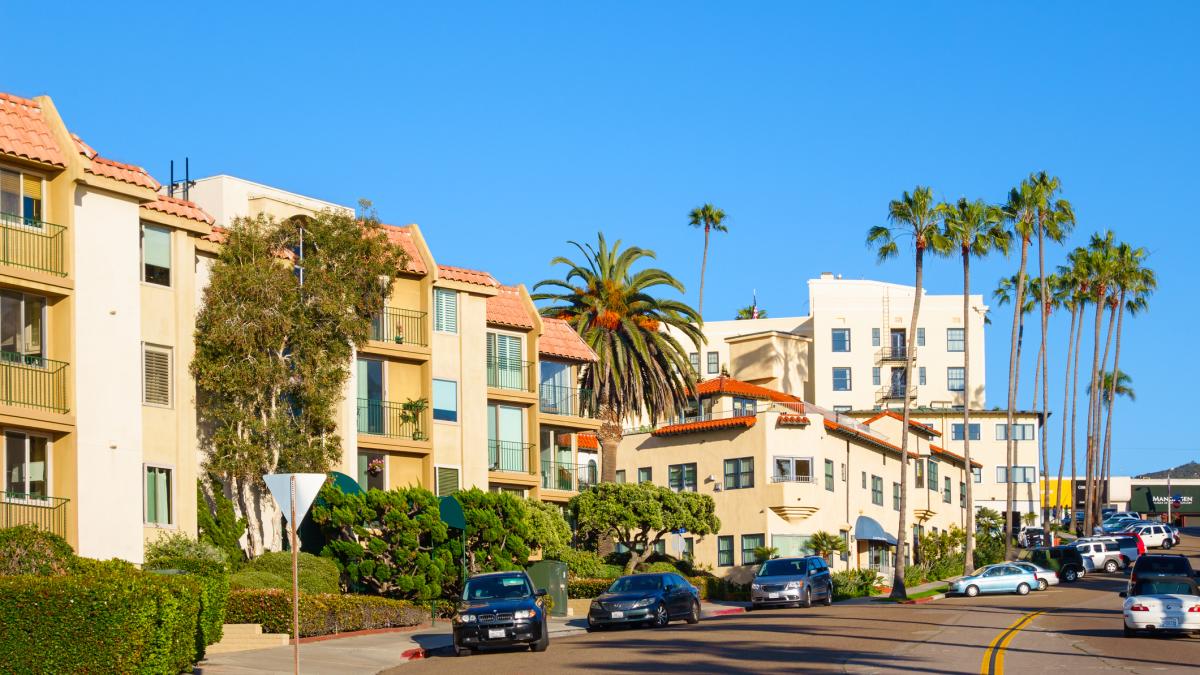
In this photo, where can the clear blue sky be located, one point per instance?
(507, 130)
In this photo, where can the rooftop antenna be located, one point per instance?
(182, 185)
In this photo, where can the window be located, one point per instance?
(682, 477)
(749, 543)
(955, 378)
(946, 489)
(920, 337)
(962, 494)
(921, 375)
(954, 340)
(158, 496)
(689, 548)
(660, 547)
(895, 496)
(956, 432)
(829, 475)
(841, 339)
(645, 475)
(1021, 474)
(156, 255)
(874, 337)
(977, 472)
(21, 196)
(620, 475)
(864, 480)
(919, 472)
(694, 357)
(22, 328)
(739, 473)
(793, 469)
(1021, 432)
(724, 551)
(933, 474)
(445, 310)
(714, 363)
(877, 490)
(447, 480)
(743, 407)
(845, 556)
(506, 367)
(372, 470)
(26, 465)
(445, 400)
(156, 375)
(875, 379)
(841, 379)
(842, 408)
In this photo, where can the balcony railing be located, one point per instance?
(508, 456)
(895, 353)
(32, 244)
(394, 420)
(510, 374)
(556, 400)
(46, 513)
(792, 478)
(897, 391)
(567, 476)
(400, 326)
(33, 382)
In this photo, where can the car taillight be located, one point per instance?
(1139, 608)
(1194, 608)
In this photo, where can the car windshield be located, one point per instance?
(497, 588)
(636, 583)
(1163, 566)
(1163, 587)
(781, 568)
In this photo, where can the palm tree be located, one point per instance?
(976, 229)
(751, 312)
(711, 219)
(913, 215)
(1101, 267)
(1077, 284)
(1114, 387)
(1064, 285)
(1005, 294)
(641, 369)
(825, 544)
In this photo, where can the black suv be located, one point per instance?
(500, 609)
(1160, 565)
(1066, 561)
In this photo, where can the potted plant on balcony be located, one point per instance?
(375, 467)
(412, 412)
(399, 333)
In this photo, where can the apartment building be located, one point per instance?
(780, 470)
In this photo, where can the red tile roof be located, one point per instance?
(560, 340)
(793, 420)
(179, 207)
(587, 442)
(744, 422)
(506, 309)
(102, 166)
(911, 422)
(401, 235)
(728, 385)
(218, 236)
(956, 457)
(830, 425)
(467, 276)
(24, 131)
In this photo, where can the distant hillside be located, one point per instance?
(1189, 470)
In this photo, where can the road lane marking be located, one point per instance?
(993, 658)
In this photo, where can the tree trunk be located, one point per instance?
(703, 266)
(248, 503)
(1097, 459)
(898, 589)
(1112, 389)
(1044, 359)
(1062, 449)
(1093, 391)
(1074, 410)
(1013, 372)
(969, 520)
(609, 436)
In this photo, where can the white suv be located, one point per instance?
(1154, 536)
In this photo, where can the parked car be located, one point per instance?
(500, 609)
(1130, 544)
(1066, 561)
(1046, 578)
(1105, 554)
(1162, 604)
(787, 581)
(1159, 565)
(1154, 535)
(1031, 536)
(654, 599)
(1107, 513)
(1174, 532)
(1115, 524)
(1001, 578)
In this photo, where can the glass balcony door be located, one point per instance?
(897, 343)
(370, 397)
(22, 328)
(505, 365)
(506, 438)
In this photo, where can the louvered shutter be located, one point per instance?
(447, 480)
(10, 192)
(156, 376)
(445, 310)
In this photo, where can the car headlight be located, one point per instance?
(465, 618)
(755, 587)
(524, 614)
(793, 585)
(595, 604)
(644, 602)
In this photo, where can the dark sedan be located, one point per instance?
(645, 598)
(500, 609)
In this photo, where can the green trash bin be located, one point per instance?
(552, 576)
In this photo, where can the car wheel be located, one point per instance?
(1069, 575)
(829, 597)
(661, 617)
(1166, 543)
(754, 607)
(972, 591)
(1043, 584)
(694, 617)
(542, 642)
(1110, 566)
(807, 601)
(1022, 589)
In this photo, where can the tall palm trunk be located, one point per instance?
(1044, 306)
(1112, 393)
(1099, 400)
(1010, 444)
(609, 436)
(1093, 394)
(703, 266)
(1074, 410)
(969, 524)
(1062, 449)
(898, 589)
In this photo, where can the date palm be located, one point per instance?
(711, 219)
(913, 216)
(642, 369)
(826, 544)
(971, 229)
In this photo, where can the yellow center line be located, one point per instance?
(993, 658)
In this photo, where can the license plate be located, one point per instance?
(772, 596)
(618, 615)
(494, 633)
(1170, 623)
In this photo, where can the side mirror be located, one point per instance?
(540, 592)
(813, 572)
(1123, 594)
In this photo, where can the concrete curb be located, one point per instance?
(922, 601)
(722, 612)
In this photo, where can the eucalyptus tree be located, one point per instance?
(641, 368)
(710, 219)
(971, 229)
(913, 216)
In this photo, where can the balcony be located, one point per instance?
(793, 497)
(33, 382)
(894, 354)
(392, 420)
(32, 244)
(556, 400)
(510, 374)
(567, 476)
(45, 513)
(895, 391)
(399, 326)
(508, 456)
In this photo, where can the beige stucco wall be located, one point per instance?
(228, 197)
(462, 357)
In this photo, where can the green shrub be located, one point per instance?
(716, 588)
(274, 570)
(658, 567)
(586, 564)
(321, 614)
(854, 583)
(179, 546)
(113, 620)
(213, 580)
(92, 567)
(25, 549)
(217, 523)
(587, 588)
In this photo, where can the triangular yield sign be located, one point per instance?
(307, 487)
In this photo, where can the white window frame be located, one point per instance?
(457, 402)
(170, 352)
(171, 523)
(794, 461)
(437, 315)
(49, 454)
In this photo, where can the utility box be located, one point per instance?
(552, 576)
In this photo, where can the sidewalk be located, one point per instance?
(912, 590)
(380, 651)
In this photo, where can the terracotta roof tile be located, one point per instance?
(506, 309)
(218, 235)
(744, 422)
(587, 442)
(830, 425)
(921, 426)
(401, 235)
(24, 131)
(956, 457)
(179, 207)
(102, 166)
(793, 420)
(728, 385)
(560, 340)
(467, 276)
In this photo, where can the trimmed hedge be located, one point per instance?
(110, 621)
(716, 588)
(213, 579)
(25, 549)
(320, 614)
(274, 570)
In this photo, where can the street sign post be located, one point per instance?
(294, 493)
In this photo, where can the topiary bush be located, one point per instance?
(25, 549)
(321, 614)
(274, 570)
